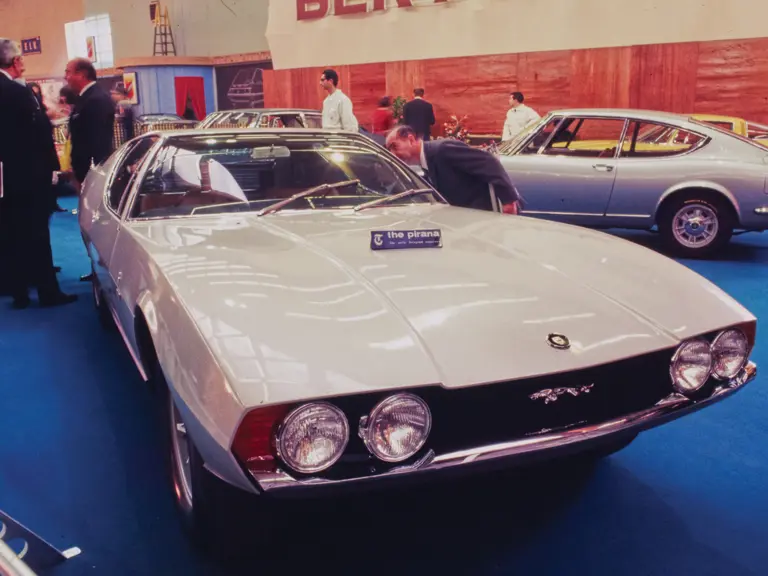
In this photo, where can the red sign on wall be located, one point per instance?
(315, 9)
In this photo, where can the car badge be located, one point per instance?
(558, 341)
(550, 395)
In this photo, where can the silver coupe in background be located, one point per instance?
(315, 317)
(695, 182)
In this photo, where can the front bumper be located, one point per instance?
(545, 446)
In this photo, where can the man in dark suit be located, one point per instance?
(466, 177)
(28, 157)
(419, 115)
(92, 123)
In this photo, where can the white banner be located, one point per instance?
(308, 33)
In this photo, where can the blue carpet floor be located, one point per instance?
(79, 463)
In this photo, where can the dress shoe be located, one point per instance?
(21, 303)
(86, 278)
(59, 299)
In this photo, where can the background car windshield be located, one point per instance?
(193, 175)
(510, 146)
(231, 120)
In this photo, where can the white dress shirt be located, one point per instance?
(517, 119)
(87, 86)
(337, 112)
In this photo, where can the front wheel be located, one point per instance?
(222, 521)
(695, 225)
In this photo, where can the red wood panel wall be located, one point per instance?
(728, 77)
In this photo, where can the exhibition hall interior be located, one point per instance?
(460, 287)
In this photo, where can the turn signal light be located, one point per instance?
(254, 443)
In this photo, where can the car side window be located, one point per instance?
(654, 140)
(127, 170)
(586, 138)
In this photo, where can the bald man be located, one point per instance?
(92, 123)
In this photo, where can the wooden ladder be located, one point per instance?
(164, 43)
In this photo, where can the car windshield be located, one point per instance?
(248, 172)
(509, 147)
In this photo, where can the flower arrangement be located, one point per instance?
(397, 109)
(456, 128)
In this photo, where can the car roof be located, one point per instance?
(267, 110)
(622, 113)
(212, 132)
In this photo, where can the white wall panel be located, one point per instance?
(201, 27)
(483, 27)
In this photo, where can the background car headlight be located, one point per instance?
(397, 427)
(729, 354)
(313, 437)
(691, 366)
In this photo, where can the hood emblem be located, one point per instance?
(558, 341)
(550, 395)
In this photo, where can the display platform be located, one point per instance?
(80, 464)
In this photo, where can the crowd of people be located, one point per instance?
(31, 171)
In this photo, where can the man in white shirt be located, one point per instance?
(337, 107)
(518, 117)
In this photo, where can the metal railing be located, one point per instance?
(34, 553)
(61, 131)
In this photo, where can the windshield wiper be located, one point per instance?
(400, 196)
(311, 192)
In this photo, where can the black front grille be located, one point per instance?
(502, 412)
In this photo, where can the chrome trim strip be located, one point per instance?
(560, 213)
(120, 329)
(628, 215)
(670, 408)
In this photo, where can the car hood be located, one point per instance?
(296, 304)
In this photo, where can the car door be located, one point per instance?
(119, 191)
(105, 223)
(654, 157)
(567, 169)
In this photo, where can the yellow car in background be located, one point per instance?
(751, 130)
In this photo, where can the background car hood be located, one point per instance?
(297, 305)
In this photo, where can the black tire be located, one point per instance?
(223, 522)
(687, 205)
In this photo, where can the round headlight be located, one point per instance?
(397, 428)
(691, 366)
(313, 437)
(729, 354)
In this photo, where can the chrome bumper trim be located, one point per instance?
(549, 445)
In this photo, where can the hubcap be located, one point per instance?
(181, 461)
(695, 226)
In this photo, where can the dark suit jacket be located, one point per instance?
(419, 115)
(463, 175)
(91, 129)
(27, 150)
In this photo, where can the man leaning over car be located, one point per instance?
(465, 176)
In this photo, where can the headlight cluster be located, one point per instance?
(696, 360)
(313, 437)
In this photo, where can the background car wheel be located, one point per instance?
(222, 521)
(696, 224)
